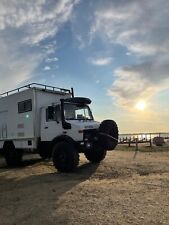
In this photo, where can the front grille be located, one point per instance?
(90, 134)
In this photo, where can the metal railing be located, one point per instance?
(141, 137)
(36, 86)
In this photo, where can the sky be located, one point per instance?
(115, 52)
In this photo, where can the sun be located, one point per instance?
(141, 105)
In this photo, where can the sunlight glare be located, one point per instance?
(141, 105)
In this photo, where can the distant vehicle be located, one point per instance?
(158, 141)
(52, 122)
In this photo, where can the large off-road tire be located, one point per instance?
(96, 154)
(65, 156)
(108, 134)
(13, 156)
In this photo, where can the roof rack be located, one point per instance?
(38, 86)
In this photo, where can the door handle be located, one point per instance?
(46, 127)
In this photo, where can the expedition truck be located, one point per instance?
(52, 122)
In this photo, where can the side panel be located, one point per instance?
(24, 128)
(15, 125)
(3, 124)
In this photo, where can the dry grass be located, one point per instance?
(121, 190)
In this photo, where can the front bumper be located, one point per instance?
(90, 138)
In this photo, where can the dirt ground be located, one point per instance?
(121, 190)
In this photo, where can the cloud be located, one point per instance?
(38, 19)
(17, 71)
(140, 81)
(24, 27)
(46, 68)
(16, 66)
(128, 53)
(141, 27)
(54, 59)
(100, 61)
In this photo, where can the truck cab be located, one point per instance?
(71, 117)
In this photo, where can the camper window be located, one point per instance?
(25, 106)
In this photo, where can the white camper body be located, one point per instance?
(20, 114)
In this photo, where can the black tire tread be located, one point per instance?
(108, 127)
(72, 156)
(96, 154)
(13, 156)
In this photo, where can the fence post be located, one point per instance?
(150, 141)
(136, 144)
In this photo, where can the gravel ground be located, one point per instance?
(121, 190)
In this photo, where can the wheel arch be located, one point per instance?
(9, 142)
(62, 138)
(5, 144)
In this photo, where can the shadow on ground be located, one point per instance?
(29, 195)
(25, 163)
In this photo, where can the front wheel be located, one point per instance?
(96, 154)
(65, 157)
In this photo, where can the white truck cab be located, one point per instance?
(54, 123)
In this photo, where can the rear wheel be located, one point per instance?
(12, 155)
(65, 156)
(96, 154)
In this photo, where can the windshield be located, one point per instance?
(76, 112)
